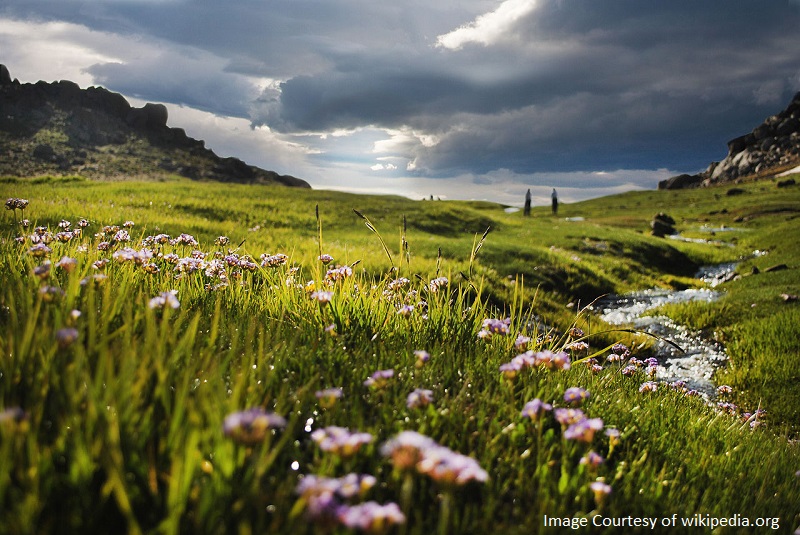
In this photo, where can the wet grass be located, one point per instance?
(120, 428)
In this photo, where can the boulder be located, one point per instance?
(662, 225)
(680, 182)
(5, 76)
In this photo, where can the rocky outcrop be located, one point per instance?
(59, 128)
(771, 147)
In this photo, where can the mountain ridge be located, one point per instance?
(57, 128)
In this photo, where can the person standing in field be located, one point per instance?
(555, 201)
(528, 203)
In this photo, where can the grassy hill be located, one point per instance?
(121, 423)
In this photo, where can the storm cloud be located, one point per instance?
(448, 90)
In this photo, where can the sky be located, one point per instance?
(466, 99)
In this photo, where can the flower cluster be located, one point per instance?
(379, 379)
(251, 426)
(15, 204)
(340, 440)
(165, 300)
(411, 450)
(493, 326)
(420, 397)
(542, 359)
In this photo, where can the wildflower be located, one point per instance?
(349, 486)
(575, 395)
(510, 369)
(13, 419)
(42, 271)
(613, 357)
(407, 448)
(340, 440)
(165, 299)
(494, 326)
(592, 460)
(103, 246)
(576, 332)
(128, 224)
(339, 273)
(40, 250)
(578, 347)
(422, 357)
(83, 223)
(50, 293)
(596, 368)
(405, 311)
(548, 359)
(64, 237)
(250, 427)
(397, 284)
(65, 337)
(568, 416)
(724, 389)
(535, 408)
(322, 296)
(331, 329)
(600, 491)
(613, 435)
(67, 264)
(419, 398)
(97, 278)
(679, 385)
(438, 283)
(521, 342)
(268, 260)
(621, 350)
(64, 224)
(325, 259)
(725, 406)
(648, 386)
(328, 397)
(628, 370)
(25, 223)
(583, 430)
(379, 379)
(371, 517)
(121, 236)
(184, 239)
(100, 264)
(652, 371)
(446, 466)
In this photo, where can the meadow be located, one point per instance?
(208, 358)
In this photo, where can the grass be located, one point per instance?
(121, 428)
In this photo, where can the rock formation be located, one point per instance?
(770, 148)
(58, 129)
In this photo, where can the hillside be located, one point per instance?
(60, 129)
(770, 148)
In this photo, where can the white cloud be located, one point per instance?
(488, 28)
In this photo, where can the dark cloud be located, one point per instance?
(570, 85)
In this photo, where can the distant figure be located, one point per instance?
(528, 202)
(555, 201)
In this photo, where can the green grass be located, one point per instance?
(123, 427)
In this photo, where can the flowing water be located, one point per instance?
(698, 358)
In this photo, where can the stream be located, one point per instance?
(701, 357)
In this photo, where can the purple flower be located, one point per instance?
(535, 408)
(494, 326)
(575, 395)
(592, 460)
(325, 259)
(552, 361)
(724, 389)
(569, 416)
(165, 300)
(629, 370)
(322, 296)
(600, 490)
(65, 337)
(371, 517)
(583, 430)
(648, 386)
(340, 440)
(328, 397)
(67, 264)
(379, 379)
(419, 398)
(407, 448)
(436, 284)
(422, 357)
(251, 426)
(446, 466)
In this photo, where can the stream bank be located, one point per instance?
(699, 357)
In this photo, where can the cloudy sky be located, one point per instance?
(461, 99)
